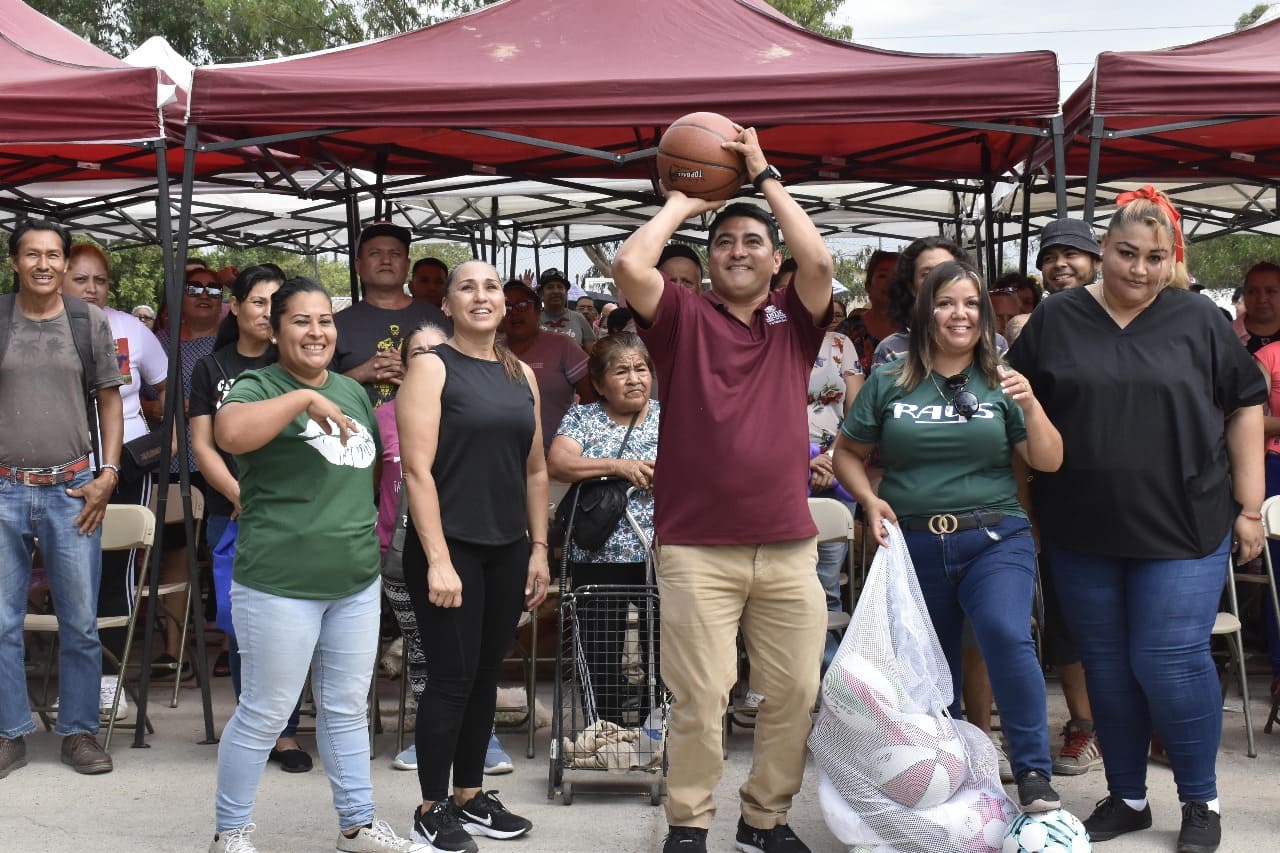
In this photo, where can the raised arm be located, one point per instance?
(814, 266)
(635, 267)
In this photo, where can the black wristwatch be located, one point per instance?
(769, 172)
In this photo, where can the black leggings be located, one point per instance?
(467, 645)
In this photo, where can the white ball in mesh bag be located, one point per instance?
(916, 775)
(1057, 831)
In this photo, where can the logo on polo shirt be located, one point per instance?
(773, 315)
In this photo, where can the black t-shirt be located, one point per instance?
(1142, 413)
(211, 379)
(1257, 342)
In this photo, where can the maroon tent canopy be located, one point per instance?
(581, 87)
(67, 108)
(1201, 111)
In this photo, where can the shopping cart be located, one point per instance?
(608, 724)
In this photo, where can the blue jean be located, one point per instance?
(279, 639)
(989, 575)
(215, 526)
(73, 563)
(1143, 630)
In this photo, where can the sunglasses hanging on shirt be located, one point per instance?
(963, 401)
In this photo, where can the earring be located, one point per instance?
(273, 341)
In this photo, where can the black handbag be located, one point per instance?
(141, 456)
(592, 508)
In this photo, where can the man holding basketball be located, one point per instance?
(736, 541)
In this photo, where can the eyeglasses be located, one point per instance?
(195, 290)
(964, 401)
(522, 305)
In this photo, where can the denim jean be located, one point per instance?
(215, 526)
(989, 575)
(280, 638)
(1143, 630)
(73, 563)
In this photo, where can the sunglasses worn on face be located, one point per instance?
(964, 401)
(522, 305)
(195, 290)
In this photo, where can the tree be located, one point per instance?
(213, 31)
(815, 15)
(1220, 262)
(1251, 17)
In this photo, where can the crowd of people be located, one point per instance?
(1105, 434)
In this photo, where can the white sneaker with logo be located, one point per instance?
(107, 695)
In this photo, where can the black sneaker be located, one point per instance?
(1112, 817)
(685, 839)
(440, 828)
(484, 814)
(1035, 794)
(1201, 829)
(780, 839)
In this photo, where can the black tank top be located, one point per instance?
(486, 430)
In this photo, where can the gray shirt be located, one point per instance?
(364, 331)
(42, 418)
(569, 323)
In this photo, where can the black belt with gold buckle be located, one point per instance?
(948, 522)
(45, 476)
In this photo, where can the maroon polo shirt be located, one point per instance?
(733, 442)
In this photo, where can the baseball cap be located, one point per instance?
(553, 274)
(383, 229)
(1068, 232)
(517, 284)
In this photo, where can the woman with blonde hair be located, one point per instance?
(1160, 412)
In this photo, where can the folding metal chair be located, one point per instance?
(1227, 624)
(173, 515)
(1270, 526)
(125, 527)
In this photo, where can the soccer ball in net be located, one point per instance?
(1058, 831)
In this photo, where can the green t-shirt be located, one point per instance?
(934, 460)
(307, 515)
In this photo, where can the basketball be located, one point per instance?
(691, 160)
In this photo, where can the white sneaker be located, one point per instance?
(752, 700)
(107, 695)
(407, 759)
(378, 838)
(234, 841)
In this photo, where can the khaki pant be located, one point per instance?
(707, 592)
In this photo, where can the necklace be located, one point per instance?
(938, 387)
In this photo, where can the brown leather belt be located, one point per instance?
(45, 476)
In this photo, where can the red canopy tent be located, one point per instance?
(1201, 112)
(584, 88)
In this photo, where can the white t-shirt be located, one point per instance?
(142, 362)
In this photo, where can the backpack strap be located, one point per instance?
(82, 334)
(6, 320)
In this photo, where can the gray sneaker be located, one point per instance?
(13, 755)
(234, 841)
(1081, 751)
(1002, 759)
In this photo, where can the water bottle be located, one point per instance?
(651, 733)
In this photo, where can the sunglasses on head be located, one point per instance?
(964, 401)
(195, 290)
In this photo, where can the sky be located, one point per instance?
(1076, 31)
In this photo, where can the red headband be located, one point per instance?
(1150, 194)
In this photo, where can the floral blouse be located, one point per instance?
(837, 360)
(599, 436)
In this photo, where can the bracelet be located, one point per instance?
(544, 544)
(1252, 516)
(115, 469)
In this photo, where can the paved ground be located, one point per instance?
(160, 799)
